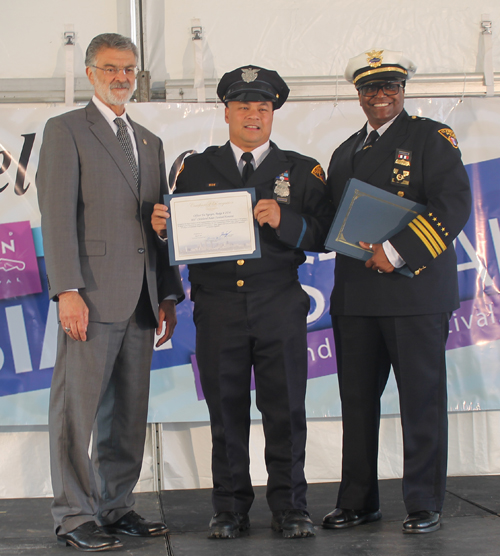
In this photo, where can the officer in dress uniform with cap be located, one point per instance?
(383, 318)
(252, 312)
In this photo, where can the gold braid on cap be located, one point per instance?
(379, 70)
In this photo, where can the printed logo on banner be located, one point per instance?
(18, 265)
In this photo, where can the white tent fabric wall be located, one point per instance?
(474, 450)
(314, 38)
(32, 33)
(295, 37)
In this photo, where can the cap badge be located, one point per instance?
(374, 58)
(249, 74)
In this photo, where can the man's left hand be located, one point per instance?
(379, 261)
(166, 314)
(267, 211)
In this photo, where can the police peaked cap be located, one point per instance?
(379, 65)
(251, 83)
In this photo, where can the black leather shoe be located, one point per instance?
(89, 537)
(340, 519)
(228, 525)
(136, 526)
(293, 523)
(424, 521)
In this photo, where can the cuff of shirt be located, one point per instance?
(393, 256)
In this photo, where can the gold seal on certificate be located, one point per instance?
(210, 227)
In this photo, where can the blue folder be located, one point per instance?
(367, 213)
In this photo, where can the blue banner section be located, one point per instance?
(478, 246)
(26, 334)
(316, 276)
(28, 328)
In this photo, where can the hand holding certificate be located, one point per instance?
(210, 227)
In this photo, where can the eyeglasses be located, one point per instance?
(372, 89)
(111, 71)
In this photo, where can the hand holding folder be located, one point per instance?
(367, 213)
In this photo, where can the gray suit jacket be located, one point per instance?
(96, 225)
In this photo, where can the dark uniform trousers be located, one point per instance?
(253, 312)
(381, 320)
(267, 330)
(366, 347)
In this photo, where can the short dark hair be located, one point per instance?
(108, 40)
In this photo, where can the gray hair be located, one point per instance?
(108, 40)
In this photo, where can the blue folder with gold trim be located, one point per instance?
(367, 213)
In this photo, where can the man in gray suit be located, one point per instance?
(99, 176)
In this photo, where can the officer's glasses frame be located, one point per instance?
(390, 88)
(112, 71)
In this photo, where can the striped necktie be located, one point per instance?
(126, 143)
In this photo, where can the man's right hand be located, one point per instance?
(159, 219)
(74, 315)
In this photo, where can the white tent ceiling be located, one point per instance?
(308, 43)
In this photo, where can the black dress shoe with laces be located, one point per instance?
(425, 521)
(340, 518)
(89, 537)
(136, 526)
(228, 525)
(294, 524)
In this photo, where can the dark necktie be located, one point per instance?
(366, 147)
(248, 169)
(126, 143)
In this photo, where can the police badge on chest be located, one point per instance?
(281, 192)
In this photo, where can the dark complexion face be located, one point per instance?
(381, 108)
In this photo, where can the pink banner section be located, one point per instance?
(321, 358)
(19, 273)
(476, 322)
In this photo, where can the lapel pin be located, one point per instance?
(144, 141)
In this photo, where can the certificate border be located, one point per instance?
(171, 251)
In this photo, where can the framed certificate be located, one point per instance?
(212, 227)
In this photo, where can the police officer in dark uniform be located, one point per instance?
(252, 312)
(383, 318)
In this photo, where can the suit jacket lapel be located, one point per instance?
(383, 148)
(103, 132)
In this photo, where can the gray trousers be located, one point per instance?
(100, 389)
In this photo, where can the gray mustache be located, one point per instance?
(125, 85)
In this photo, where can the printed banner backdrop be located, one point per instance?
(28, 322)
